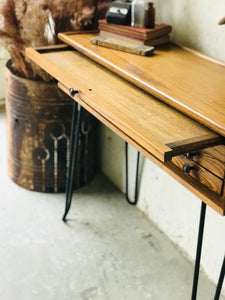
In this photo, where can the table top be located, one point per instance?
(189, 81)
(156, 129)
(137, 116)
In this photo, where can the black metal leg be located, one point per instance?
(220, 281)
(199, 251)
(136, 180)
(75, 129)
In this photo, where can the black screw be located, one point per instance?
(187, 168)
(190, 155)
(73, 92)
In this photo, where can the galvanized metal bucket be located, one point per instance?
(38, 132)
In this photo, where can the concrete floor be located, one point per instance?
(108, 250)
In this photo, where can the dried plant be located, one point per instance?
(25, 23)
(222, 21)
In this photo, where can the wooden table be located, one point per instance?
(169, 106)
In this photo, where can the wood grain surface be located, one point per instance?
(151, 123)
(212, 159)
(207, 178)
(130, 47)
(148, 124)
(184, 79)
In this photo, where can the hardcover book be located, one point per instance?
(163, 39)
(130, 31)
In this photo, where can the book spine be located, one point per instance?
(164, 39)
(131, 33)
(152, 42)
(119, 30)
(109, 33)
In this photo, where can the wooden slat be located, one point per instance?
(186, 80)
(151, 123)
(121, 45)
(195, 143)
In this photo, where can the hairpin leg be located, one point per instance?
(199, 251)
(75, 130)
(220, 281)
(136, 180)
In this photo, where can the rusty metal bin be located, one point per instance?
(38, 133)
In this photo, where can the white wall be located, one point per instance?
(172, 207)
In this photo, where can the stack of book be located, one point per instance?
(141, 36)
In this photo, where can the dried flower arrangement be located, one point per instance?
(26, 23)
